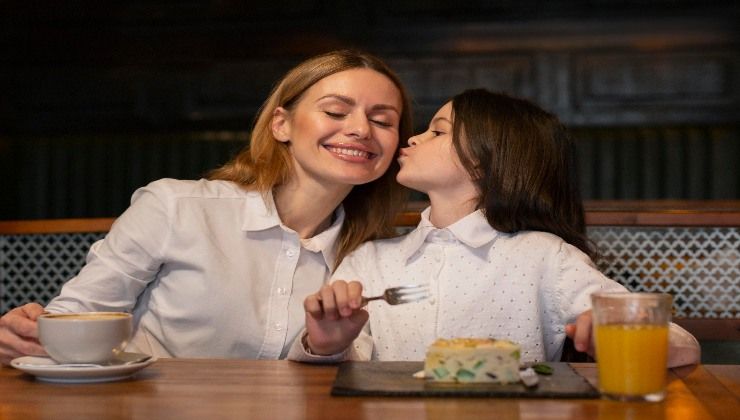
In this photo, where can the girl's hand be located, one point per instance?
(19, 333)
(582, 333)
(334, 317)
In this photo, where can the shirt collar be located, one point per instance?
(260, 213)
(472, 230)
(325, 242)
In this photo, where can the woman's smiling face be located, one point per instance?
(344, 129)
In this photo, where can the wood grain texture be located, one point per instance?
(598, 213)
(224, 389)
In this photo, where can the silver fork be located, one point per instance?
(401, 294)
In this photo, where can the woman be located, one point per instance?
(220, 267)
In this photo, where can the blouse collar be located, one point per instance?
(472, 230)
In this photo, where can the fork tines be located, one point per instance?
(411, 293)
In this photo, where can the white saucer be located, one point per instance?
(46, 369)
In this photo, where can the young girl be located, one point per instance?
(220, 267)
(502, 247)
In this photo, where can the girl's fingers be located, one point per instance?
(312, 305)
(582, 337)
(340, 296)
(354, 294)
(328, 302)
(337, 300)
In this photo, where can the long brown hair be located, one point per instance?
(265, 163)
(523, 162)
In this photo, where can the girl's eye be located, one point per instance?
(335, 114)
(437, 133)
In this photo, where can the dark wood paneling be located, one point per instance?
(94, 175)
(208, 64)
(653, 86)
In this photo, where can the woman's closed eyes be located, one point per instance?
(379, 120)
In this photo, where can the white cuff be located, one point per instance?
(300, 353)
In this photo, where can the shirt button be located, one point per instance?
(282, 291)
(290, 253)
(278, 326)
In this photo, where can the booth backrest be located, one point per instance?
(693, 254)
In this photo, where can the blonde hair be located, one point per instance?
(265, 163)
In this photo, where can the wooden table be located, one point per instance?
(217, 389)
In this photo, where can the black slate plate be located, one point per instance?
(394, 379)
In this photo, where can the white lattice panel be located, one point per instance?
(34, 267)
(700, 267)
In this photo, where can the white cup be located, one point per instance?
(85, 337)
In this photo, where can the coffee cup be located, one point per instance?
(85, 337)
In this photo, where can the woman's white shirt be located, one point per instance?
(208, 270)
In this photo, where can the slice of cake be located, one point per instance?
(473, 360)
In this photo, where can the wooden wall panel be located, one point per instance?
(96, 96)
(433, 81)
(654, 88)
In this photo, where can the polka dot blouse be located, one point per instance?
(524, 287)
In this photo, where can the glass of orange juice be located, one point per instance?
(631, 338)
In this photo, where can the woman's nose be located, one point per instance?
(359, 126)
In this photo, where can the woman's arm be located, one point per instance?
(120, 266)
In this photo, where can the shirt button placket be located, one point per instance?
(277, 326)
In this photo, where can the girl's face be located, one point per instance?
(344, 130)
(431, 165)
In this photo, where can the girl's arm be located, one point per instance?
(360, 349)
(578, 279)
(334, 320)
(334, 317)
(683, 349)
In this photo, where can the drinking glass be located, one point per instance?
(631, 338)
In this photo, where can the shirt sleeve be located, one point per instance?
(119, 267)
(359, 350)
(683, 348)
(567, 288)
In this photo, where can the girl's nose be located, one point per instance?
(413, 141)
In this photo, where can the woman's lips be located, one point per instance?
(350, 152)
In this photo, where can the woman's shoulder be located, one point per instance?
(201, 188)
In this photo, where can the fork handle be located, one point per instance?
(366, 300)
